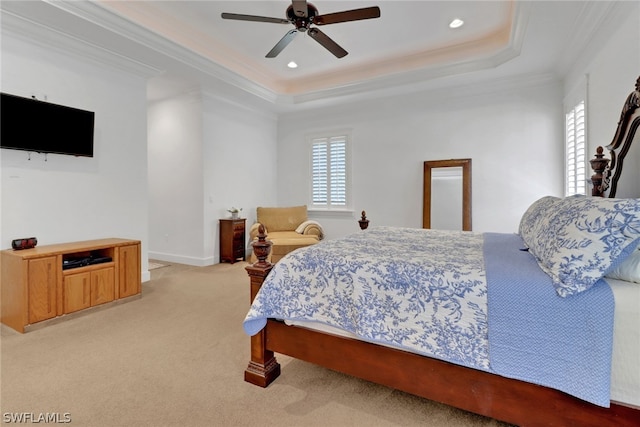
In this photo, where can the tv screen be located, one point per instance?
(33, 125)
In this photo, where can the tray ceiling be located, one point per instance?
(186, 44)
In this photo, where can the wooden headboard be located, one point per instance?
(608, 171)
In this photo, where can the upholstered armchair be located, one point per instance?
(288, 228)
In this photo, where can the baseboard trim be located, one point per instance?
(180, 259)
(146, 276)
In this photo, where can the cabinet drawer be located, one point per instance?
(238, 226)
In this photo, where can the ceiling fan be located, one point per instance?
(302, 15)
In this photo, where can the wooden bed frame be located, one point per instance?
(505, 399)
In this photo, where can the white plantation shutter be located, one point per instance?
(575, 143)
(320, 172)
(329, 172)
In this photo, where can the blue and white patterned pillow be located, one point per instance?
(578, 240)
(535, 220)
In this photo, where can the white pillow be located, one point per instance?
(628, 270)
(300, 229)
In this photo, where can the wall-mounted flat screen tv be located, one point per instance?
(32, 125)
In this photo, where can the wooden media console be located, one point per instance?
(42, 285)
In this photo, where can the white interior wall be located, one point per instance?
(240, 164)
(206, 154)
(176, 223)
(512, 131)
(498, 127)
(66, 198)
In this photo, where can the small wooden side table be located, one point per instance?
(232, 239)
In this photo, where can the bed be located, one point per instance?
(478, 372)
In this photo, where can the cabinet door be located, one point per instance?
(77, 292)
(129, 270)
(42, 289)
(238, 240)
(102, 286)
(226, 240)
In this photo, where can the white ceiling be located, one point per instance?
(407, 35)
(184, 44)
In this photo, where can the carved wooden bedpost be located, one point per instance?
(599, 165)
(263, 367)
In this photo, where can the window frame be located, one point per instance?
(314, 139)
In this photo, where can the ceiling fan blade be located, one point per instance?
(300, 8)
(240, 17)
(347, 15)
(327, 42)
(282, 44)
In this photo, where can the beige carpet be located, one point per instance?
(176, 357)
(154, 264)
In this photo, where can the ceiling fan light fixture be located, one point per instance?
(456, 23)
(302, 15)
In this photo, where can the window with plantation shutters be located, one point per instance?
(575, 144)
(329, 189)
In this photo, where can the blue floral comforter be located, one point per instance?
(424, 291)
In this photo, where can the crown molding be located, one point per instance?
(438, 95)
(591, 19)
(16, 25)
(410, 81)
(107, 19)
(249, 107)
(166, 54)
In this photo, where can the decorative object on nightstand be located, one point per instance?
(232, 239)
(235, 212)
(364, 222)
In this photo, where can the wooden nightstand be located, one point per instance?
(232, 240)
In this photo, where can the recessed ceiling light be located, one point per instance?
(292, 64)
(456, 23)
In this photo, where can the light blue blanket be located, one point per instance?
(539, 337)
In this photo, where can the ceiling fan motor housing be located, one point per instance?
(302, 22)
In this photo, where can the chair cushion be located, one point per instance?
(287, 241)
(281, 219)
(284, 242)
